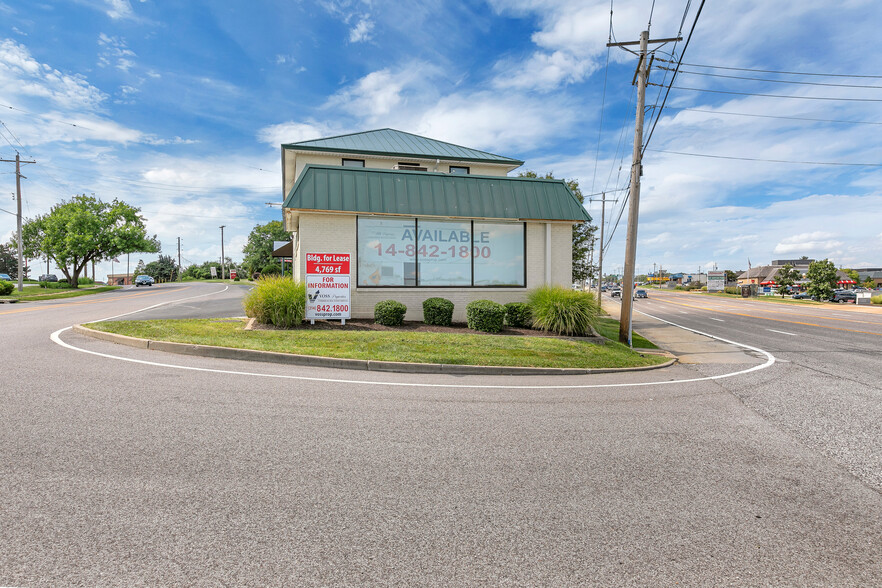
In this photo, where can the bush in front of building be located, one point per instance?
(732, 290)
(389, 313)
(485, 315)
(6, 288)
(563, 311)
(437, 311)
(276, 301)
(876, 299)
(518, 314)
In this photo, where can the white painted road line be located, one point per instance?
(783, 332)
(715, 319)
(770, 361)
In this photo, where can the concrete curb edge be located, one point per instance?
(350, 364)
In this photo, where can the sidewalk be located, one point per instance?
(687, 347)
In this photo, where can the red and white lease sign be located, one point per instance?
(327, 286)
(327, 263)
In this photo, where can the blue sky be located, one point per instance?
(179, 109)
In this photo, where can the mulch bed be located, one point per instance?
(418, 327)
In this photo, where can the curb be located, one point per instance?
(350, 364)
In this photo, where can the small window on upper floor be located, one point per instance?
(353, 162)
(459, 169)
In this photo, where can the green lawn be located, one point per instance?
(609, 328)
(30, 293)
(447, 348)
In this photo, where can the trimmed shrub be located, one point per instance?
(518, 314)
(85, 281)
(876, 299)
(485, 315)
(562, 310)
(438, 311)
(389, 313)
(732, 290)
(276, 301)
(704, 288)
(6, 288)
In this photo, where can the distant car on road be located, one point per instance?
(844, 296)
(48, 278)
(143, 281)
(641, 294)
(616, 293)
(5, 278)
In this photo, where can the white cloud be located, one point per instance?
(362, 30)
(21, 74)
(543, 71)
(119, 9)
(115, 52)
(293, 132)
(383, 91)
(815, 241)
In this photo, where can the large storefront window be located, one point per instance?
(433, 253)
(499, 254)
(386, 252)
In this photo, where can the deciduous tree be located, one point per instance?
(786, 277)
(259, 248)
(822, 279)
(85, 229)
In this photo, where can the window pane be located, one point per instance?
(353, 163)
(444, 253)
(499, 254)
(386, 252)
(456, 169)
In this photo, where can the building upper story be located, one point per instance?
(390, 149)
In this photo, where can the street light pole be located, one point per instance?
(222, 251)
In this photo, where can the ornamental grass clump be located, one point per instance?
(277, 301)
(485, 315)
(563, 311)
(438, 311)
(876, 299)
(389, 313)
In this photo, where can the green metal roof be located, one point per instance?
(412, 193)
(401, 144)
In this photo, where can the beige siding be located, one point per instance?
(296, 161)
(332, 233)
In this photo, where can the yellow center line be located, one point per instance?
(773, 319)
(80, 303)
(757, 309)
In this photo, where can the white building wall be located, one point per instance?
(335, 233)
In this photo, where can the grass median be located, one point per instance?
(415, 347)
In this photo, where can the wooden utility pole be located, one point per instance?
(636, 171)
(180, 274)
(18, 178)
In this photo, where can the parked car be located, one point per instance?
(48, 278)
(5, 278)
(640, 294)
(143, 280)
(802, 296)
(843, 296)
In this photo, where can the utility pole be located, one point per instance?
(636, 171)
(18, 178)
(600, 251)
(180, 277)
(222, 251)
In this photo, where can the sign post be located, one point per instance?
(327, 287)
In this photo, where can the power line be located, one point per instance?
(838, 163)
(674, 76)
(797, 82)
(792, 73)
(778, 95)
(825, 120)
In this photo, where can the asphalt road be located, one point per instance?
(129, 467)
